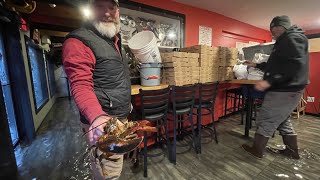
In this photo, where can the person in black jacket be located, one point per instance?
(286, 76)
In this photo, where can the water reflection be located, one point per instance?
(299, 176)
(53, 157)
(282, 175)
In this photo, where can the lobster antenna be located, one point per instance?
(95, 127)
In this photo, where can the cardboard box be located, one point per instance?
(194, 55)
(225, 73)
(174, 74)
(172, 64)
(174, 54)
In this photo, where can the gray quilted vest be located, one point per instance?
(111, 77)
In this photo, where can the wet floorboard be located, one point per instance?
(59, 152)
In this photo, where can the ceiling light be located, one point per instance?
(52, 5)
(86, 12)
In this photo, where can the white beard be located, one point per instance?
(108, 29)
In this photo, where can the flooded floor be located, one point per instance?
(59, 152)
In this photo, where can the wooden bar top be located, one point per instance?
(242, 81)
(135, 88)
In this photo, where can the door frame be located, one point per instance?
(18, 80)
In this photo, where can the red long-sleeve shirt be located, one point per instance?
(79, 63)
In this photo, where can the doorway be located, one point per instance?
(6, 91)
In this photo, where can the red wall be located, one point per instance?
(226, 32)
(313, 88)
(314, 31)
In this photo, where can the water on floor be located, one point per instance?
(60, 152)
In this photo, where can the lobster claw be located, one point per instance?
(124, 147)
(144, 125)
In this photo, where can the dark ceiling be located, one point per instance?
(64, 17)
(66, 2)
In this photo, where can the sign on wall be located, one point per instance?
(205, 35)
(314, 45)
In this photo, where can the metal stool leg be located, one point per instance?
(193, 132)
(145, 155)
(174, 147)
(226, 104)
(214, 127)
(244, 106)
(199, 131)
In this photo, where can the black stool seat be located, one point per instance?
(154, 117)
(204, 104)
(180, 111)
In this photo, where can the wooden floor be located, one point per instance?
(59, 152)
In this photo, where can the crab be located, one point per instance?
(122, 138)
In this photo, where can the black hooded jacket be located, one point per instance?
(288, 66)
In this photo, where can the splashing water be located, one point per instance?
(298, 165)
(309, 155)
(81, 165)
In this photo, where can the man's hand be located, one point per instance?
(262, 85)
(97, 129)
(250, 64)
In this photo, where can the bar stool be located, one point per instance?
(257, 99)
(235, 95)
(182, 101)
(154, 108)
(206, 101)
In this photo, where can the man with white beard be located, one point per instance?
(99, 76)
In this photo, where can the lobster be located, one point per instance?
(122, 139)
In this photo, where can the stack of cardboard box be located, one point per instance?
(227, 59)
(208, 62)
(199, 64)
(180, 68)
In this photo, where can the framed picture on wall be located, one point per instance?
(38, 76)
(168, 26)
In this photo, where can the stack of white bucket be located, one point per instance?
(144, 46)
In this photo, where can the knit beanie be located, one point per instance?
(115, 1)
(283, 21)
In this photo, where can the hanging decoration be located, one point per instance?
(21, 6)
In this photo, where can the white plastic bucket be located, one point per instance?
(150, 74)
(144, 46)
